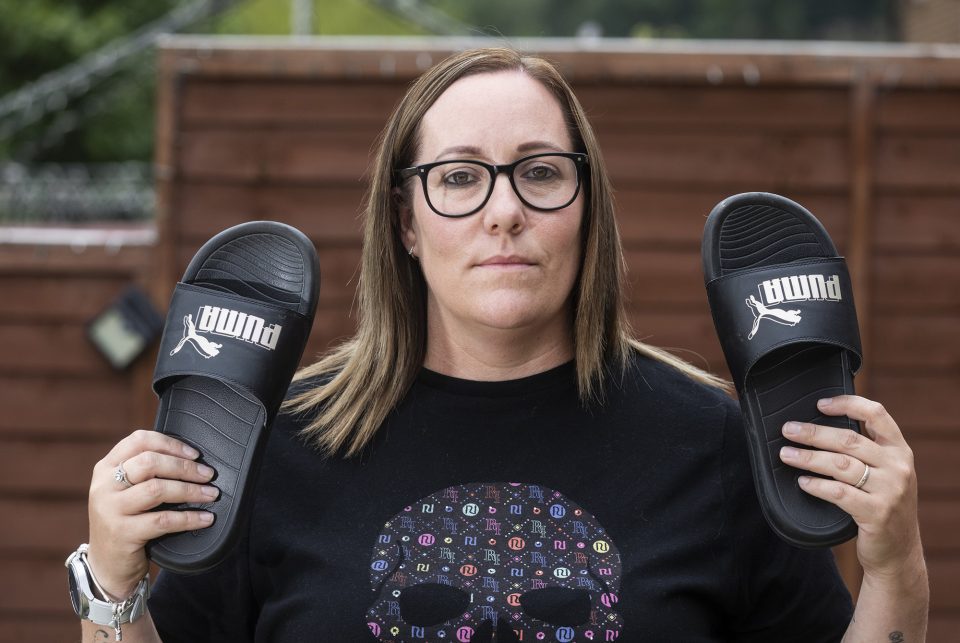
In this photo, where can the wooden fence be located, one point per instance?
(62, 407)
(868, 138)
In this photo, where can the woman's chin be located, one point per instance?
(539, 310)
(514, 314)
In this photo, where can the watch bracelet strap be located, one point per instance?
(130, 609)
(103, 609)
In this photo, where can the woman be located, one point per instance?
(503, 461)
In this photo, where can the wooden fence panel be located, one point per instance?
(63, 407)
(916, 292)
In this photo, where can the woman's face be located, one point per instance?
(507, 266)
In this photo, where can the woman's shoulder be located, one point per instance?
(657, 401)
(668, 384)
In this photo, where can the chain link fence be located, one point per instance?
(75, 193)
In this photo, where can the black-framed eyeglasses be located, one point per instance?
(459, 188)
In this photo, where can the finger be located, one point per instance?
(156, 491)
(142, 440)
(157, 523)
(150, 464)
(830, 438)
(838, 466)
(855, 502)
(878, 424)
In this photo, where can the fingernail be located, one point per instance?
(206, 517)
(190, 452)
(803, 480)
(789, 453)
(204, 470)
(791, 428)
(210, 492)
(825, 401)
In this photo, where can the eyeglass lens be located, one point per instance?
(460, 187)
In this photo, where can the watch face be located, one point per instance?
(74, 590)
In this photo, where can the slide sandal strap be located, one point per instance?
(759, 310)
(233, 339)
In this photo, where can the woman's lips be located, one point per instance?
(506, 262)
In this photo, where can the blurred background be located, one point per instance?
(88, 124)
(131, 132)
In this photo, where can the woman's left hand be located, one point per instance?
(885, 505)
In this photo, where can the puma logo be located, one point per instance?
(793, 288)
(778, 315)
(204, 346)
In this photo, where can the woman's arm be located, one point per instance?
(140, 631)
(892, 609)
(894, 595)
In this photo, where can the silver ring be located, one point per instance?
(863, 478)
(121, 476)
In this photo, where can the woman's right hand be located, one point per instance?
(159, 469)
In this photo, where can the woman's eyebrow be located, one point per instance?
(538, 145)
(469, 150)
(472, 150)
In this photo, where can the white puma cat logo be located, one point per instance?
(778, 315)
(204, 346)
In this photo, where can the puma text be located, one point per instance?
(800, 288)
(232, 323)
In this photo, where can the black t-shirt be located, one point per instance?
(508, 507)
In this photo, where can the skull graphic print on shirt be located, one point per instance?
(494, 562)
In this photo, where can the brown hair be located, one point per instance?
(363, 379)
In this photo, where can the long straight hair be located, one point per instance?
(356, 385)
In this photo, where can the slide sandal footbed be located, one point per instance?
(757, 234)
(255, 266)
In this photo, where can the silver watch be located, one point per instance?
(92, 603)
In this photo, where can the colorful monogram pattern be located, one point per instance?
(492, 547)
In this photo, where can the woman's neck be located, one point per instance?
(483, 353)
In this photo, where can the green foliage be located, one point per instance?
(330, 17)
(754, 19)
(124, 129)
(41, 36)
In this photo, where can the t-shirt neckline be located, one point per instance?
(557, 377)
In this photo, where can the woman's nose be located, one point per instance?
(504, 210)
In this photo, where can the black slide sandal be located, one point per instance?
(236, 328)
(783, 308)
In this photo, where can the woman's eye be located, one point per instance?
(459, 177)
(540, 173)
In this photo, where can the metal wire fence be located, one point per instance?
(75, 193)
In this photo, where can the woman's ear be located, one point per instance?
(408, 233)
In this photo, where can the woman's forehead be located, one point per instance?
(497, 112)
